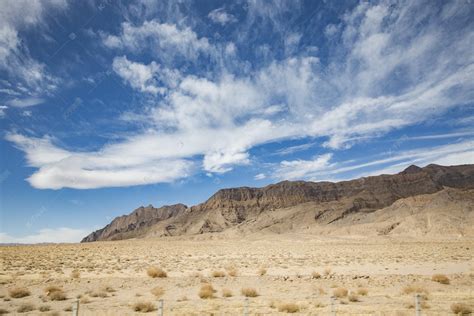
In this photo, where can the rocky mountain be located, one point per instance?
(291, 206)
(136, 223)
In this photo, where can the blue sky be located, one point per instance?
(106, 106)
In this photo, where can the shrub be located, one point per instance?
(249, 292)
(101, 294)
(410, 289)
(461, 309)
(85, 300)
(18, 292)
(157, 291)
(206, 291)
(440, 278)
(75, 274)
(262, 271)
(315, 275)
(144, 307)
(156, 272)
(340, 292)
(353, 297)
(57, 296)
(327, 271)
(24, 308)
(362, 291)
(289, 308)
(226, 293)
(232, 271)
(218, 274)
(44, 308)
(3, 311)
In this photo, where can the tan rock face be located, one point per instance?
(136, 223)
(287, 202)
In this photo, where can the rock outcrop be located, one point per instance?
(136, 223)
(292, 205)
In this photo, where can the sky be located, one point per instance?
(109, 105)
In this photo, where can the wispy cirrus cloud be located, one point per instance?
(388, 67)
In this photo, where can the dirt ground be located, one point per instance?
(291, 273)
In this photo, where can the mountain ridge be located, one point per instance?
(327, 202)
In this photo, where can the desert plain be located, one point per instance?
(259, 275)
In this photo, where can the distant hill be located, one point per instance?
(417, 201)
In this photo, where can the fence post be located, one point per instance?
(246, 307)
(160, 308)
(333, 306)
(417, 305)
(75, 308)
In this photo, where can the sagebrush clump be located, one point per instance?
(249, 292)
(206, 291)
(440, 278)
(19, 292)
(144, 307)
(156, 272)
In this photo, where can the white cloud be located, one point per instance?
(23, 103)
(149, 78)
(139, 76)
(166, 40)
(221, 16)
(2, 110)
(300, 169)
(387, 72)
(390, 162)
(260, 176)
(47, 235)
(15, 17)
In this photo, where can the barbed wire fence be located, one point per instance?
(334, 307)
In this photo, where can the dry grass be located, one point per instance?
(44, 308)
(461, 309)
(26, 307)
(262, 271)
(75, 274)
(327, 272)
(18, 292)
(156, 272)
(249, 292)
(55, 293)
(157, 291)
(101, 294)
(226, 293)
(315, 275)
(144, 307)
(206, 291)
(353, 297)
(411, 289)
(232, 271)
(340, 292)
(288, 308)
(440, 278)
(218, 274)
(362, 291)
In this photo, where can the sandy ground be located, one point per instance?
(113, 275)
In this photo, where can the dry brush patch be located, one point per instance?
(440, 278)
(144, 307)
(156, 272)
(249, 292)
(157, 291)
(25, 307)
(461, 309)
(340, 292)
(207, 291)
(226, 293)
(288, 308)
(19, 292)
(218, 274)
